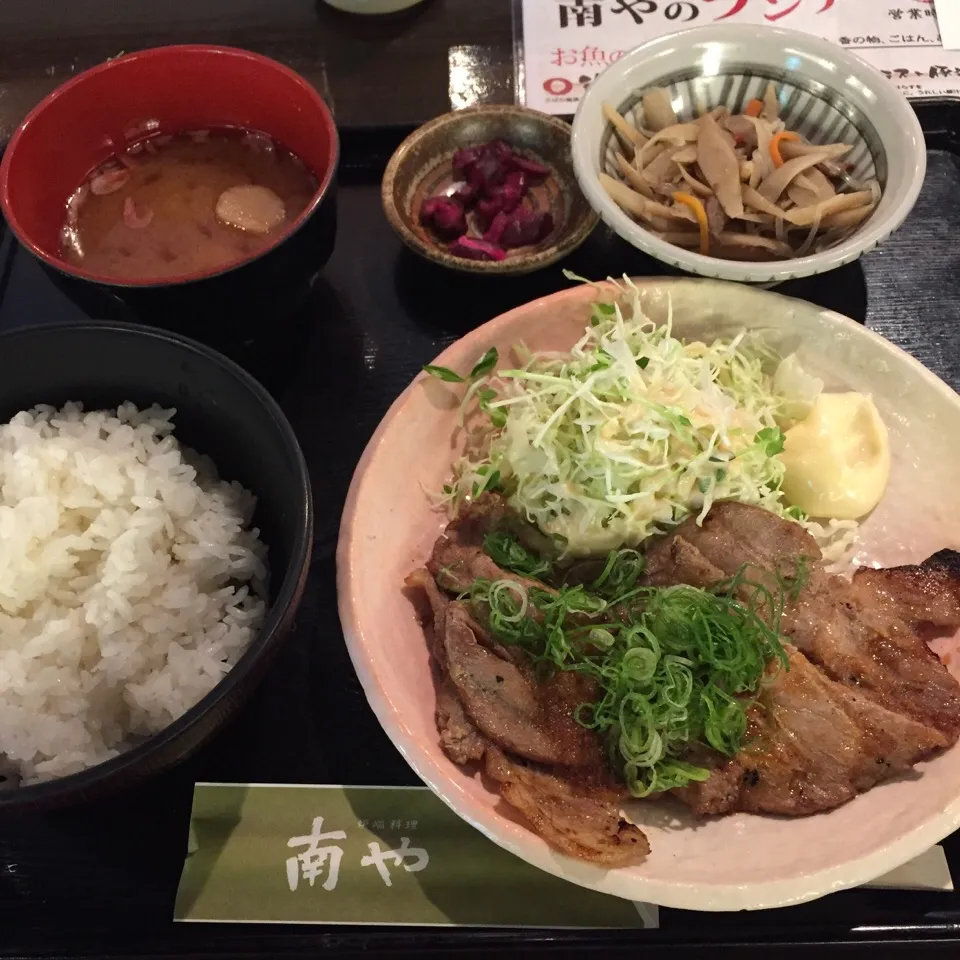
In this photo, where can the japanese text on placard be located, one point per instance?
(322, 855)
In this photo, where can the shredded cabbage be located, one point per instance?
(632, 431)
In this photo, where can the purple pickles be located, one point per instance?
(471, 248)
(445, 215)
(488, 171)
(526, 227)
(497, 225)
(465, 193)
(493, 182)
(465, 157)
(530, 167)
(486, 209)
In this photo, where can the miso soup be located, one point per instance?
(192, 203)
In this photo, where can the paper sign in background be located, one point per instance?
(564, 44)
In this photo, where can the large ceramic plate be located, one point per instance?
(737, 862)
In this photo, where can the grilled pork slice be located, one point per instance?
(927, 596)
(869, 635)
(486, 702)
(422, 580)
(508, 706)
(672, 560)
(861, 638)
(484, 693)
(459, 738)
(458, 557)
(580, 819)
(735, 534)
(814, 744)
(457, 565)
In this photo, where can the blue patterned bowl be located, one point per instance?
(825, 93)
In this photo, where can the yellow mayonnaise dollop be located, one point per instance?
(838, 459)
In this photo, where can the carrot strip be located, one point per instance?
(753, 108)
(689, 200)
(775, 142)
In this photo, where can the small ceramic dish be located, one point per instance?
(738, 862)
(422, 168)
(825, 93)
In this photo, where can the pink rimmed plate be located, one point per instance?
(733, 863)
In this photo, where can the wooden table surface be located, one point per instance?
(390, 70)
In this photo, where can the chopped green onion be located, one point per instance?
(507, 552)
(621, 571)
(676, 668)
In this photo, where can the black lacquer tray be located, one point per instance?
(100, 880)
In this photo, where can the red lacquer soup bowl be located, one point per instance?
(172, 90)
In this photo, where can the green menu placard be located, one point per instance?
(317, 854)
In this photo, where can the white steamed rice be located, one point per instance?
(129, 583)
